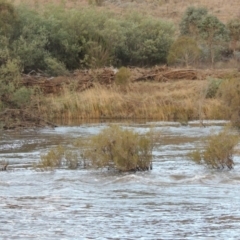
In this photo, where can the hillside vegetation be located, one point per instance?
(46, 39)
(169, 9)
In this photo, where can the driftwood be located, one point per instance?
(18, 118)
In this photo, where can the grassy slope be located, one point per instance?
(169, 9)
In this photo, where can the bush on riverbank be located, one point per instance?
(218, 150)
(120, 149)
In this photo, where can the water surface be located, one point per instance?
(176, 200)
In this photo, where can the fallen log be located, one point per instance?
(18, 118)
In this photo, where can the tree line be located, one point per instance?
(56, 40)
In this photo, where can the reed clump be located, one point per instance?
(218, 150)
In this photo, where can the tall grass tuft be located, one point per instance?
(172, 101)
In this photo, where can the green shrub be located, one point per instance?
(57, 37)
(9, 79)
(120, 149)
(218, 150)
(122, 76)
(146, 40)
(30, 45)
(97, 54)
(54, 67)
(65, 38)
(22, 97)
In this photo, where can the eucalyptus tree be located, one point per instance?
(191, 21)
(214, 34)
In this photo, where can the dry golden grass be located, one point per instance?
(168, 9)
(171, 101)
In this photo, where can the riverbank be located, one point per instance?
(185, 95)
(149, 94)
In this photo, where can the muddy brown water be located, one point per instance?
(176, 200)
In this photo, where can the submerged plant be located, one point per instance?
(218, 151)
(121, 149)
(59, 157)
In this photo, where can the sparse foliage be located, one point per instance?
(184, 51)
(59, 157)
(209, 32)
(53, 159)
(214, 33)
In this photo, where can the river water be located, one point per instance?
(176, 200)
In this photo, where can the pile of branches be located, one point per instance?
(163, 74)
(79, 81)
(82, 80)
